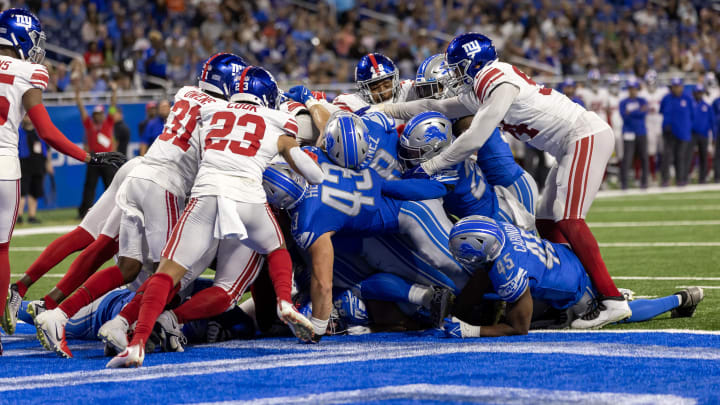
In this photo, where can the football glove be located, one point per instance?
(448, 177)
(300, 93)
(115, 159)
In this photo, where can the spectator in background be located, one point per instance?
(703, 127)
(569, 87)
(150, 114)
(154, 127)
(633, 110)
(98, 138)
(121, 132)
(33, 165)
(677, 110)
(155, 57)
(93, 56)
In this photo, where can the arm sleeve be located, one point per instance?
(307, 166)
(413, 189)
(451, 107)
(50, 134)
(482, 126)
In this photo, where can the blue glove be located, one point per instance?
(299, 93)
(416, 173)
(447, 176)
(362, 111)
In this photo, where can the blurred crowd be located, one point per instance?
(321, 41)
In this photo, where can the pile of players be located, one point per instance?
(405, 207)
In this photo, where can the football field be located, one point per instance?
(654, 244)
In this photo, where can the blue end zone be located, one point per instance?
(645, 367)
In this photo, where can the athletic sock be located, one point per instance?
(131, 309)
(549, 229)
(159, 287)
(587, 250)
(54, 253)
(386, 287)
(49, 302)
(420, 295)
(98, 284)
(4, 274)
(280, 271)
(87, 263)
(642, 310)
(204, 304)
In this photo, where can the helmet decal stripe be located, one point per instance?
(374, 63)
(242, 79)
(203, 76)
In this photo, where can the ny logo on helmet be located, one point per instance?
(24, 21)
(471, 48)
(235, 67)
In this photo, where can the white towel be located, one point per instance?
(228, 224)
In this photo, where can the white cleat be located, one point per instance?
(607, 311)
(132, 356)
(50, 327)
(36, 308)
(12, 306)
(114, 333)
(168, 329)
(300, 326)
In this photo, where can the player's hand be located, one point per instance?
(447, 176)
(416, 173)
(115, 159)
(300, 93)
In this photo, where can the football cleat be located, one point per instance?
(691, 297)
(114, 334)
(50, 327)
(12, 306)
(627, 293)
(168, 329)
(607, 311)
(440, 304)
(300, 326)
(455, 328)
(132, 356)
(36, 308)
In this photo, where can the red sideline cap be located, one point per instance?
(99, 109)
(150, 105)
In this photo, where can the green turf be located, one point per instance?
(621, 261)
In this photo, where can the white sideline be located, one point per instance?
(652, 224)
(659, 244)
(468, 393)
(42, 230)
(658, 190)
(666, 278)
(657, 209)
(350, 352)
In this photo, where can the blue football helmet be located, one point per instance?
(284, 188)
(425, 135)
(21, 30)
(428, 81)
(466, 55)
(346, 140)
(374, 68)
(219, 71)
(475, 241)
(255, 85)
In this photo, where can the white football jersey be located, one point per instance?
(616, 121)
(539, 115)
(596, 100)
(239, 141)
(16, 78)
(293, 107)
(172, 160)
(653, 120)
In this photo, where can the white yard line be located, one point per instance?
(27, 249)
(468, 393)
(667, 208)
(659, 244)
(658, 190)
(704, 287)
(351, 352)
(653, 224)
(666, 278)
(42, 230)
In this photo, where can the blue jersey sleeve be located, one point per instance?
(497, 161)
(508, 277)
(414, 189)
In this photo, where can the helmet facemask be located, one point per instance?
(37, 52)
(368, 88)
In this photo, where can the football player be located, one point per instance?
(654, 95)
(581, 142)
(523, 268)
(228, 202)
(22, 81)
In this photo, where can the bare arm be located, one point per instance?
(482, 126)
(518, 318)
(450, 107)
(143, 149)
(322, 255)
(299, 160)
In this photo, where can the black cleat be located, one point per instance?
(442, 300)
(691, 297)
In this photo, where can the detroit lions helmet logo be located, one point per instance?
(433, 132)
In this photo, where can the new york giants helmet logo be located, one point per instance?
(471, 48)
(24, 20)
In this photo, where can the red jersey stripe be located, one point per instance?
(7, 79)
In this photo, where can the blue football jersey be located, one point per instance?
(551, 270)
(497, 162)
(347, 201)
(383, 145)
(472, 194)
